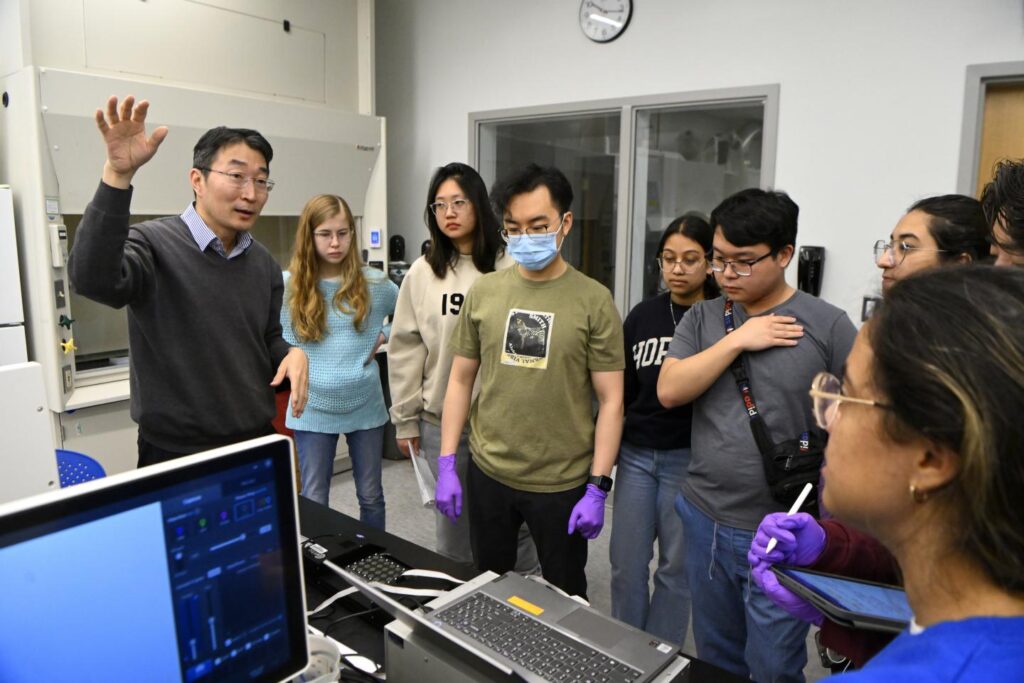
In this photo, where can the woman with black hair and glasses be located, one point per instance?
(935, 231)
(925, 454)
(655, 449)
(464, 244)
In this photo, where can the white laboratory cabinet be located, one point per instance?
(12, 315)
(28, 464)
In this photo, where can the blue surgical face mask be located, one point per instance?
(534, 252)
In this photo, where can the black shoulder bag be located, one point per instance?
(789, 465)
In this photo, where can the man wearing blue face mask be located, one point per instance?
(545, 339)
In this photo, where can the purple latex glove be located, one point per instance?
(448, 492)
(588, 514)
(763, 576)
(799, 540)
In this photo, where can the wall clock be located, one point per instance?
(605, 20)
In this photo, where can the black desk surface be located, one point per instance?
(317, 520)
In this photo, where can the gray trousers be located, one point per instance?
(452, 540)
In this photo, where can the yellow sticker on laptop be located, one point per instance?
(525, 605)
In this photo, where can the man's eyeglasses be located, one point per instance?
(458, 206)
(893, 253)
(240, 180)
(328, 236)
(739, 266)
(690, 263)
(827, 393)
(532, 231)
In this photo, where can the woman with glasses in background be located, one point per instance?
(925, 455)
(464, 244)
(334, 310)
(655, 450)
(936, 231)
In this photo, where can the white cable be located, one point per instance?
(431, 574)
(398, 590)
(330, 601)
(342, 647)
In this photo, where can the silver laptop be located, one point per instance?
(526, 630)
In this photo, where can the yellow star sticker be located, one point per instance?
(68, 346)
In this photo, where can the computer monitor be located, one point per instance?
(183, 571)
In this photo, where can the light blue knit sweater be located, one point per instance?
(344, 394)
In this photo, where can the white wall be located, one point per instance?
(225, 45)
(871, 92)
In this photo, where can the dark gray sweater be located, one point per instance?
(204, 332)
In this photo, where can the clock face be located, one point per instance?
(604, 20)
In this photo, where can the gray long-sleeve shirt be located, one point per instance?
(204, 331)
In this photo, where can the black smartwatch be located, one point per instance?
(600, 481)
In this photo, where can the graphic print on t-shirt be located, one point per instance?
(650, 351)
(527, 335)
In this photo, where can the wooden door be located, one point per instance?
(1002, 128)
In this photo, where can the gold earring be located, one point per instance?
(918, 495)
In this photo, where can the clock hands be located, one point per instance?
(602, 9)
(605, 20)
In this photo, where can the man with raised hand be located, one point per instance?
(203, 296)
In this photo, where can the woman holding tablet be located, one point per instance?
(926, 452)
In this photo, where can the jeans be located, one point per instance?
(646, 485)
(735, 625)
(497, 513)
(452, 539)
(365, 450)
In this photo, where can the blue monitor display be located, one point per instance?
(187, 574)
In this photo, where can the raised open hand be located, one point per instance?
(124, 132)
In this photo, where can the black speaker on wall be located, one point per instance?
(811, 269)
(396, 248)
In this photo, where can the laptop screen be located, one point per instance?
(186, 571)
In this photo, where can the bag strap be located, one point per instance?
(739, 372)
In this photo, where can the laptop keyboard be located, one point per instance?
(531, 644)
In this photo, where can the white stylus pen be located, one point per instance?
(792, 511)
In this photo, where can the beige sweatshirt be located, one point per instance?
(419, 361)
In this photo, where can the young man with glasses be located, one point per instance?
(545, 339)
(203, 297)
(784, 337)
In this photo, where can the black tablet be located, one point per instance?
(849, 602)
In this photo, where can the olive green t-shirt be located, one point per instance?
(532, 424)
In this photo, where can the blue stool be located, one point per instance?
(75, 468)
